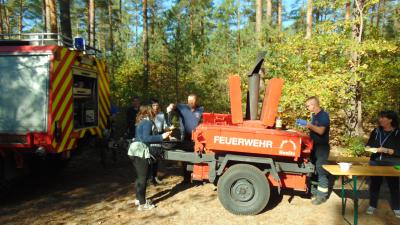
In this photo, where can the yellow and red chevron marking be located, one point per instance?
(104, 95)
(61, 98)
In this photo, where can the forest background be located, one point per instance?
(346, 52)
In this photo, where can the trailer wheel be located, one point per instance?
(243, 190)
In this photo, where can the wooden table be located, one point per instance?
(354, 172)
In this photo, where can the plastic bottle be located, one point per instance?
(278, 121)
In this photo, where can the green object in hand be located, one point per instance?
(397, 167)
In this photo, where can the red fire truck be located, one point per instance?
(52, 95)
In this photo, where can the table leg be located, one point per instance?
(342, 195)
(355, 197)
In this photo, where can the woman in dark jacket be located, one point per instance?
(386, 138)
(144, 134)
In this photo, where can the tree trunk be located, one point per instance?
(21, 15)
(91, 23)
(380, 14)
(258, 16)
(153, 18)
(47, 15)
(354, 114)
(348, 11)
(137, 24)
(269, 12)
(258, 20)
(53, 16)
(372, 13)
(44, 15)
(238, 34)
(65, 20)
(1, 19)
(177, 54)
(7, 19)
(202, 31)
(280, 14)
(309, 18)
(110, 25)
(145, 52)
(120, 11)
(191, 26)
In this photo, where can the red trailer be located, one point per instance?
(246, 157)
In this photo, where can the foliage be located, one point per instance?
(196, 45)
(355, 146)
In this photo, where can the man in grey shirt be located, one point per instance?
(159, 120)
(159, 126)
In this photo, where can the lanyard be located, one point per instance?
(381, 143)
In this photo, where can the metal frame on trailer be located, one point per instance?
(217, 164)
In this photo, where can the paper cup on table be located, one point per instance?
(344, 166)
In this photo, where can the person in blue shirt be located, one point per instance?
(319, 133)
(190, 116)
(144, 134)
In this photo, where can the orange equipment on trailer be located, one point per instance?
(247, 156)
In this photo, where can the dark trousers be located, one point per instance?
(154, 169)
(188, 146)
(142, 167)
(320, 157)
(374, 187)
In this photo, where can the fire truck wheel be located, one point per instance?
(243, 190)
(5, 184)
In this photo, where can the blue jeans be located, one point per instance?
(319, 157)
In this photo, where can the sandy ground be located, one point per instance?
(87, 193)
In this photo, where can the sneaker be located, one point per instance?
(371, 210)
(318, 200)
(397, 213)
(146, 207)
(313, 196)
(137, 203)
(157, 180)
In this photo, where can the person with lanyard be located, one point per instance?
(386, 138)
(319, 133)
